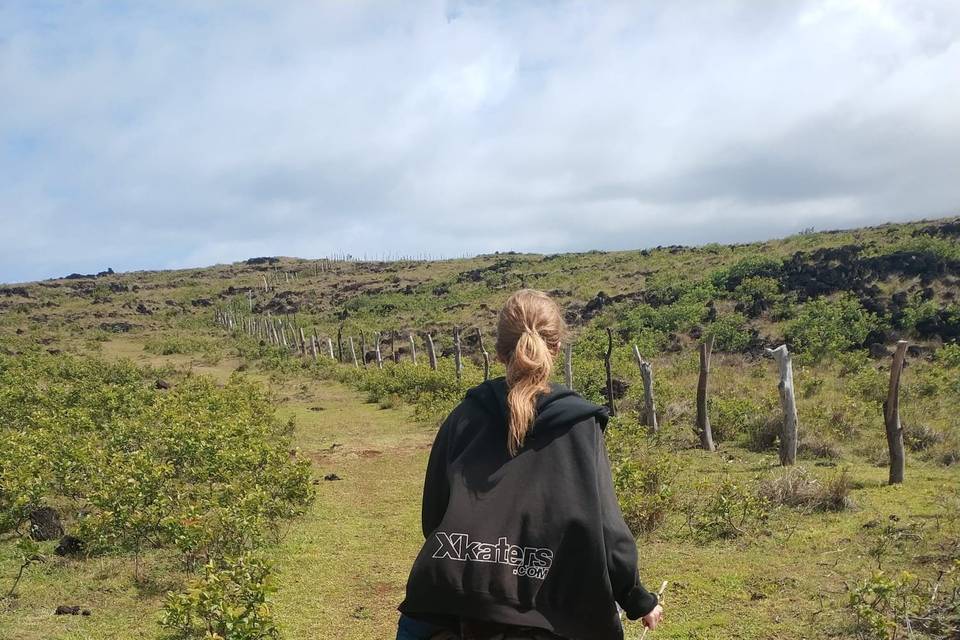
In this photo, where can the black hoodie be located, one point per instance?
(534, 540)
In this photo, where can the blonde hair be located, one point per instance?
(529, 331)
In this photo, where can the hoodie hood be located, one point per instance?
(559, 407)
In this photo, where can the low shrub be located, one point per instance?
(227, 601)
(727, 510)
(643, 479)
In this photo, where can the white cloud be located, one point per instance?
(182, 133)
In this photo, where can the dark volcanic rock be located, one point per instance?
(45, 524)
(69, 546)
(116, 327)
(263, 260)
(878, 351)
(161, 384)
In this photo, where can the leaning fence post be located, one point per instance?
(891, 416)
(648, 416)
(377, 351)
(606, 364)
(457, 355)
(431, 352)
(313, 344)
(363, 348)
(413, 349)
(568, 365)
(486, 356)
(703, 420)
(788, 436)
(330, 348)
(353, 353)
(340, 343)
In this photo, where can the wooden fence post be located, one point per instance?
(648, 416)
(330, 348)
(431, 352)
(363, 348)
(377, 351)
(457, 355)
(393, 347)
(486, 356)
(340, 343)
(788, 402)
(703, 419)
(313, 344)
(353, 353)
(891, 416)
(413, 349)
(606, 364)
(568, 365)
(303, 343)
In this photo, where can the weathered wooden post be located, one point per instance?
(606, 363)
(303, 343)
(648, 416)
(340, 343)
(891, 416)
(313, 343)
(377, 351)
(788, 434)
(568, 365)
(457, 355)
(393, 347)
(363, 348)
(266, 286)
(330, 349)
(413, 349)
(431, 352)
(353, 353)
(703, 420)
(486, 356)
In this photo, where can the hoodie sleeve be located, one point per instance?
(620, 545)
(436, 487)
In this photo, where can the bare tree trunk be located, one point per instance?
(486, 356)
(413, 349)
(648, 416)
(431, 352)
(377, 351)
(568, 365)
(606, 364)
(788, 435)
(457, 355)
(353, 354)
(703, 419)
(891, 416)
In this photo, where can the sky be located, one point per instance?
(149, 135)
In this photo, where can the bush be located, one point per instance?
(905, 606)
(643, 479)
(228, 601)
(761, 432)
(949, 355)
(825, 327)
(731, 415)
(202, 469)
(729, 510)
(731, 332)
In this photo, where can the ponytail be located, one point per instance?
(529, 331)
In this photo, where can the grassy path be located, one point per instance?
(342, 567)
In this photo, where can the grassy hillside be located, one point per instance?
(752, 551)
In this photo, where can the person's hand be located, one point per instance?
(652, 619)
